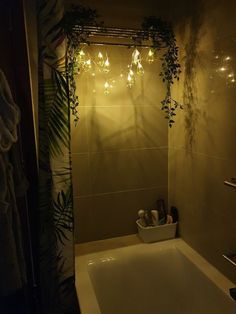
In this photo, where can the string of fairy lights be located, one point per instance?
(85, 63)
(101, 62)
(224, 68)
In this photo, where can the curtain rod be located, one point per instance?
(93, 43)
(116, 33)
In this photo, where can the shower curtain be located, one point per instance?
(56, 243)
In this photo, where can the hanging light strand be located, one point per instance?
(102, 62)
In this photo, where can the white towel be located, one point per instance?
(12, 264)
(9, 116)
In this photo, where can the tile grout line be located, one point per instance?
(123, 150)
(199, 153)
(121, 191)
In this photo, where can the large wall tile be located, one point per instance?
(81, 175)
(79, 136)
(109, 215)
(111, 128)
(126, 127)
(132, 169)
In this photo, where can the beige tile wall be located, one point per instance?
(202, 146)
(119, 148)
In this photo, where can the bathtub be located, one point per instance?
(125, 276)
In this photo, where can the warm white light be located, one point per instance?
(106, 67)
(216, 57)
(93, 74)
(227, 58)
(106, 86)
(87, 65)
(140, 70)
(231, 75)
(136, 57)
(100, 56)
(81, 58)
(233, 80)
(222, 69)
(130, 79)
(150, 56)
(100, 59)
(131, 72)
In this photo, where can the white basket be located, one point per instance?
(156, 233)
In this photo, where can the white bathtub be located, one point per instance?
(124, 276)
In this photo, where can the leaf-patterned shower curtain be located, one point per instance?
(56, 246)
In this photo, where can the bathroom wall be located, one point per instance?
(201, 152)
(119, 147)
(202, 145)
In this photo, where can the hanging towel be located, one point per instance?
(12, 263)
(9, 116)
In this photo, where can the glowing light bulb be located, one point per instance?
(82, 53)
(106, 67)
(106, 88)
(130, 79)
(231, 75)
(222, 69)
(131, 72)
(140, 70)
(227, 58)
(136, 57)
(81, 58)
(100, 59)
(233, 80)
(150, 56)
(87, 65)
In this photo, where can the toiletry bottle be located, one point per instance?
(148, 217)
(161, 209)
(141, 214)
(155, 219)
(169, 219)
(174, 213)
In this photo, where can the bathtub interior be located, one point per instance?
(165, 277)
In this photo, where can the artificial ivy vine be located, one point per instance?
(162, 36)
(158, 31)
(76, 18)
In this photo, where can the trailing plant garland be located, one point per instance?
(158, 31)
(162, 36)
(78, 16)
